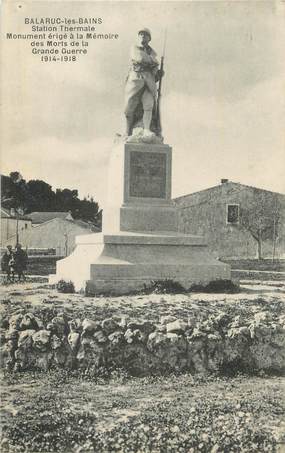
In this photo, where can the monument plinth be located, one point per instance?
(139, 189)
(140, 242)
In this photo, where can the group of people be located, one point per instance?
(14, 262)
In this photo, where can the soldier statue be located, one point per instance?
(141, 93)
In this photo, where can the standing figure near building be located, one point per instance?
(6, 261)
(141, 90)
(21, 261)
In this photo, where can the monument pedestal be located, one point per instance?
(139, 190)
(140, 242)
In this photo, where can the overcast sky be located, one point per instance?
(223, 94)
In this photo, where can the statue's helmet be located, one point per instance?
(145, 30)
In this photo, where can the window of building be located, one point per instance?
(232, 213)
(26, 226)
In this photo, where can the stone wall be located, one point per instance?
(212, 343)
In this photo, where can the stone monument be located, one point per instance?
(140, 242)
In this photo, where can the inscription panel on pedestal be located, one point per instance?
(147, 175)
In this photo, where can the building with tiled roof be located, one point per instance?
(218, 213)
(57, 234)
(45, 216)
(12, 223)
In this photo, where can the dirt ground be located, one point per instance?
(46, 301)
(56, 412)
(60, 411)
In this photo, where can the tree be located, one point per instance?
(41, 196)
(16, 176)
(13, 196)
(66, 199)
(14, 192)
(260, 215)
(37, 195)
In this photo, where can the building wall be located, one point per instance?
(9, 228)
(205, 213)
(57, 233)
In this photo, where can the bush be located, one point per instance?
(217, 286)
(166, 286)
(65, 287)
(169, 286)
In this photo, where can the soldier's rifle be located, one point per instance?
(158, 120)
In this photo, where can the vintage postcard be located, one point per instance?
(142, 226)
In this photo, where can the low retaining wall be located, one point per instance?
(216, 343)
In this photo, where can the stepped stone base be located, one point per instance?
(142, 219)
(140, 243)
(125, 262)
